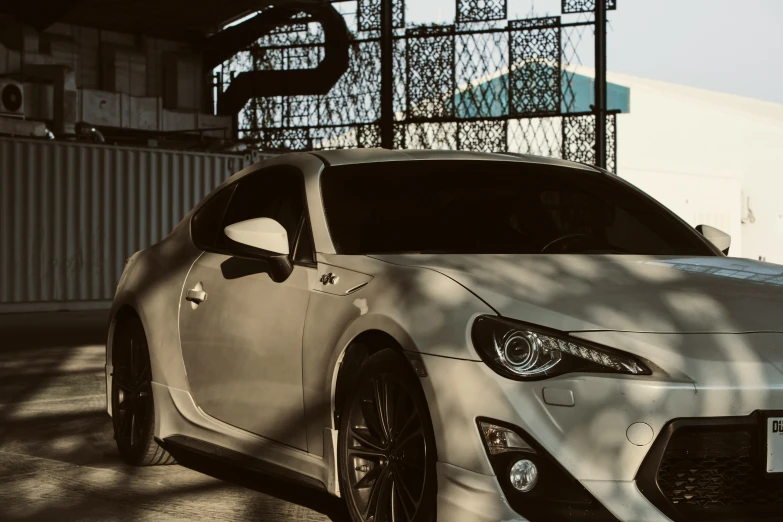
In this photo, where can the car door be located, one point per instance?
(241, 332)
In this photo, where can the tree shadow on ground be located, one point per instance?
(58, 460)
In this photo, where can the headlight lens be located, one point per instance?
(522, 351)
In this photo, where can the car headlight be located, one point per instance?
(525, 352)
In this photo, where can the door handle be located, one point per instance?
(196, 296)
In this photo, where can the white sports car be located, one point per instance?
(457, 336)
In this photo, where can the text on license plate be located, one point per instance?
(775, 445)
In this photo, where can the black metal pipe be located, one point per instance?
(600, 83)
(387, 75)
(285, 82)
(224, 44)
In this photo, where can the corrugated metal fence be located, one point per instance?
(71, 213)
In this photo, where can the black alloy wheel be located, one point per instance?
(133, 409)
(387, 451)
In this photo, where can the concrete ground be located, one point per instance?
(58, 460)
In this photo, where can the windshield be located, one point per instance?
(488, 207)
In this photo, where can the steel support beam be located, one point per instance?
(600, 83)
(387, 75)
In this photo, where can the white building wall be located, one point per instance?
(699, 199)
(709, 157)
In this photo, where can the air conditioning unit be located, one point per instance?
(11, 98)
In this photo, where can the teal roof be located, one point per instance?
(490, 98)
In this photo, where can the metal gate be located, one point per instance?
(482, 83)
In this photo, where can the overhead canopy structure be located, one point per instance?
(184, 20)
(201, 25)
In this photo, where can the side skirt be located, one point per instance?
(213, 451)
(179, 421)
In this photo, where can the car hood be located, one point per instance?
(620, 293)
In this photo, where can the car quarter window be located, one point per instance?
(276, 193)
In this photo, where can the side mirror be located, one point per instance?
(717, 237)
(260, 233)
(262, 238)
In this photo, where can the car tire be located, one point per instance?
(386, 456)
(133, 408)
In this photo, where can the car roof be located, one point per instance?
(377, 155)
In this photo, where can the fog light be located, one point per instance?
(501, 440)
(524, 475)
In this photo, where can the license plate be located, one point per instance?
(775, 445)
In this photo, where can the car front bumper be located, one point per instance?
(465, 495)
(601, 440)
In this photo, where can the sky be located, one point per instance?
(732, 46)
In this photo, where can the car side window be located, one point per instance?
(205, 225)
(276, 193)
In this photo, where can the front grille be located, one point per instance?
(710, 468)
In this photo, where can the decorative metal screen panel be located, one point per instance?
(430, 71)
(584, 6)
(481, 10)
(484, 83)
(483, 135)
(285, 139)
(368, 136)
(369, 14)
(536, 51)
(579, 139)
